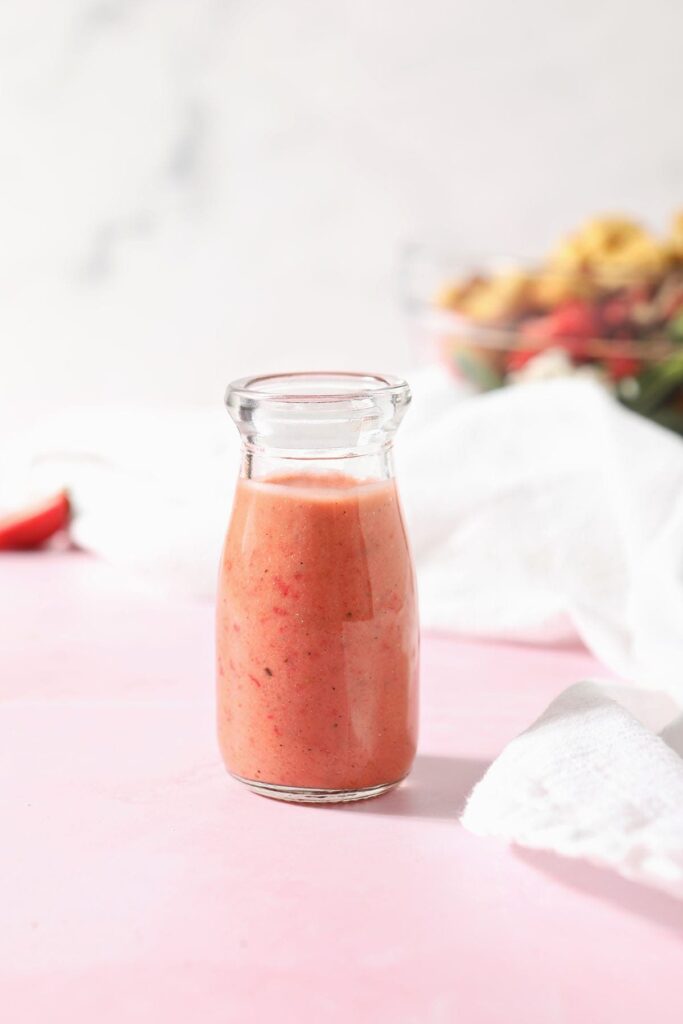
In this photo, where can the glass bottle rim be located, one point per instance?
(316, 386)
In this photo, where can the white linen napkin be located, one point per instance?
(593, 777)
(546, 510)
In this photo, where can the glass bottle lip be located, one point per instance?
(318, 387)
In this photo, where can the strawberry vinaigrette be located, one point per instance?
(317, 633)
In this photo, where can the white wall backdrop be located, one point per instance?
(193, 189)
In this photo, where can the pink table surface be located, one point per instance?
(139, 883)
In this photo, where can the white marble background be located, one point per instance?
(193, 189)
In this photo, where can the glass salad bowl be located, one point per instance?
(607, 303)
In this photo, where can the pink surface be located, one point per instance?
(139, 883)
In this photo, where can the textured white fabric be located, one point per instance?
(592, 778)
(546, 510)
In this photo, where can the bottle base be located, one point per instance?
(302, 795)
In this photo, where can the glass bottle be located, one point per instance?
(317, 630)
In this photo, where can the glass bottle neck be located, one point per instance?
(331, 424)
(265, 465)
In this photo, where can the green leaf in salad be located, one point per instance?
(675, 328)
(658, 384)
(477, 370)
(670, 418)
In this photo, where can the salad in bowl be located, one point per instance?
(607, 302)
